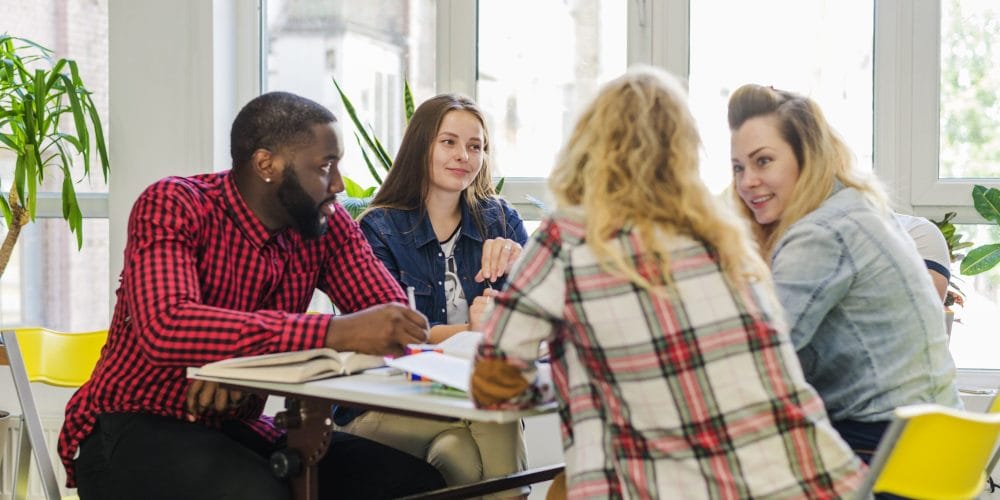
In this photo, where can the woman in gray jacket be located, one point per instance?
(865, 320)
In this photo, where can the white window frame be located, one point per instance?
(907, 112)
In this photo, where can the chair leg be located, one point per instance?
(23, 466)
(31, 425)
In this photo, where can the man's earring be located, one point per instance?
(267, 180)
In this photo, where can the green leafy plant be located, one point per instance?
(981, 258)
(357, 198)
(38, 95)
(984, 257)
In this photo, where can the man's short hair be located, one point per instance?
(274, 121)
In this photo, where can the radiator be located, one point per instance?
(9, 429)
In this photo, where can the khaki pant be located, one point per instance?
(464, 451)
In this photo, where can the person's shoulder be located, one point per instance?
(385, 219)
(195, 189)
(845, 207)
(569, 222)
(918, 227)
(494, 207)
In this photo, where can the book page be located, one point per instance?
(278, 358)
(301, 371)
(449, 370)
(293, 367)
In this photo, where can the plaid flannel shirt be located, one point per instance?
(694, 393)
(204, 280)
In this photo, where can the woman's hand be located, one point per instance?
(477, 310)
(499, 255)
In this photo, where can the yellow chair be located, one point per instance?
(54, 358)
(993, 408)
(931, 451)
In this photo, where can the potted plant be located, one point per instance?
(47, 119)
(979, 259)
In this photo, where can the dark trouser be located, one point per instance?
(130, 455)
(863, 438)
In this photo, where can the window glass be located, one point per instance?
(793, 45)
(975, 339)
(370, 48)
(970, 77)
(49, 283)
(74, 30)
(540, 61)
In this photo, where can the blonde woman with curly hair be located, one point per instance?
(673, 373)
(864, 318)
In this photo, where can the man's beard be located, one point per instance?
(306, 216)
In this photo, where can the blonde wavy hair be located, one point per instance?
(632, 162)
(822, 156)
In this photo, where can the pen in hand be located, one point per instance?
(413, 305)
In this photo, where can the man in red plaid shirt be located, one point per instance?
(222, 265)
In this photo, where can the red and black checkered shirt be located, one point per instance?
(204, 280)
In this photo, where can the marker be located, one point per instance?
(411, 298)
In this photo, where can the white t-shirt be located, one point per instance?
(454, 295)
(930, 242)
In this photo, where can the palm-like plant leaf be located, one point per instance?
(407, 101)
(32, 104)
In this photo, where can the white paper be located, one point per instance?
(449, 370)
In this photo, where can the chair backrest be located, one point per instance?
(931, 451)
(51, 357)
(57, 358)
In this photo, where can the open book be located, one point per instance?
(294, 367)
(449, 362)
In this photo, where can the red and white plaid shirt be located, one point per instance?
(695, 393)
(203, 280)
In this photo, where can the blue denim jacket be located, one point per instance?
(405, 242)
(865, 319)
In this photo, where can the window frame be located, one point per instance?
(907, 112)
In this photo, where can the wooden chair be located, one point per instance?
(931, 451)
(54, 358)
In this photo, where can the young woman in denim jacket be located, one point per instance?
(438, 226)
(865, 319)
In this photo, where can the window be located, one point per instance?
(974, 339)
(970, 76)
(370, 48)
(909, 85)
(48, 282)
(792, 45)
(537, 70)
(534, 73)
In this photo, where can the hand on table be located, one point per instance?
(383, 329)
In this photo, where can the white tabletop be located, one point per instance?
(387, 392)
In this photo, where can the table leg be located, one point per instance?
(310, 429)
